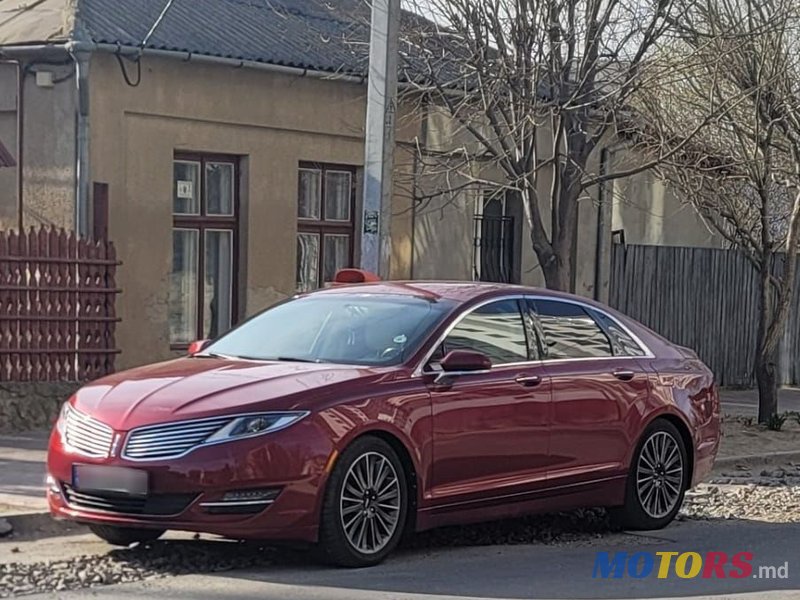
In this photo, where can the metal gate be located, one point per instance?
(493, 249)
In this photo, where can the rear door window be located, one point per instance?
(570, 332)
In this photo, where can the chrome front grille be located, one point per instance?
(157, 442)
(87, 435)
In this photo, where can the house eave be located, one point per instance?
(73, 47)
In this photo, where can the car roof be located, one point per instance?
(457, 291)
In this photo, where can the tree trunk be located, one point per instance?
(557, 263)
(767, 377)
(558, 273)
(766, 367)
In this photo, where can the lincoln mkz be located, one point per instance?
(348, 417)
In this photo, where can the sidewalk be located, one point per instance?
(22, 472)
(745, 402)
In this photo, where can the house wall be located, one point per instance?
(272, 121)
(49, 148)
(8, 135)
(651, 213)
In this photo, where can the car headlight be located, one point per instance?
(252, 425)
(61, 422)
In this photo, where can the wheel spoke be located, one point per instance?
(354, 522)
(351, 509)
(382, 474)
(672, 487)
(390, 491)
(370, 471)
(362, 534)
(672, 457)
(384, 522)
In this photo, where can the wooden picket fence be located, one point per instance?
(57, 315)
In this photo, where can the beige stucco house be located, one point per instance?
(222, 152)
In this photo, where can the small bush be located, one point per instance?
(776, 421)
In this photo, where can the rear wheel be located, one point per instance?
(365, 505)
(125, 536)
(657, 480)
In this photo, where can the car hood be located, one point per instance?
(191, 388)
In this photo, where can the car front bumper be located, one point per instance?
(189, 493)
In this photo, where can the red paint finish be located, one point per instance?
(499, 442)
(594, 415)
(505, 421)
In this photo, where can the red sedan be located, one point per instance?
(348, 416)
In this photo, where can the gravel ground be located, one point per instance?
(765, 495)
(762, 494)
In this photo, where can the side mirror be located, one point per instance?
(465, 360)
(198, 346)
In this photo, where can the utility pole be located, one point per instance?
(376, 240)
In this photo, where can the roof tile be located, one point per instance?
(309, 34)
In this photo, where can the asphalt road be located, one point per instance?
(503, 572)
(745, 402)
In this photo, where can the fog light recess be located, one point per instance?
(242, 501)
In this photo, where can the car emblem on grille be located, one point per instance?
(114, 445)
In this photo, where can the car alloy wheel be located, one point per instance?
(659, 474)
(369, 503)
(366, 506)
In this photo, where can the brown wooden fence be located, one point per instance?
(705, 299)
(57, 316)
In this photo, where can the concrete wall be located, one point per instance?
(28, 406)
(49, 147)
(271, 121)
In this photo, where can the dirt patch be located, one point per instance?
(742, 437)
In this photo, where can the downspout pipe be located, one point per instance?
(20, 145)
(82, 138)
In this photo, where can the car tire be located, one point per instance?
(363, 514)
(125, 536)
(653, 496)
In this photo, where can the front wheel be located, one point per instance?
(125, 536)
(657, 480)
(365, 506)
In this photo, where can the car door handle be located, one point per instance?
(623, 374)
(528, 380)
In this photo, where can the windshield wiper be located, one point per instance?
(297, 359)
(215, 355)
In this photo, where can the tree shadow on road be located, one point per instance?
(549, 556)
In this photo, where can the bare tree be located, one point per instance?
(742, 172)
(533, 89)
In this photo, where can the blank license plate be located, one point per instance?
(98, 478)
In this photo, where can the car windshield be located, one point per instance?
(358, 329)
